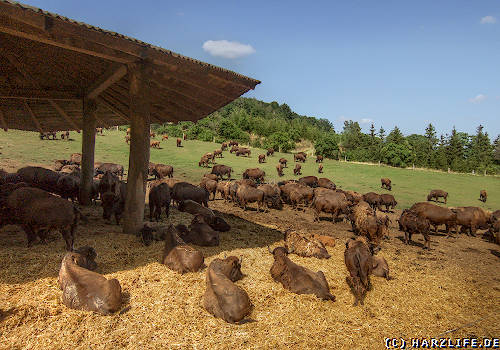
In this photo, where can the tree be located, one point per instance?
(481, 150)
(327, 146)
(381, 134)
(280, 141)
(398, 155)
(396, 136)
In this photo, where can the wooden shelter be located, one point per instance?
(60, 74)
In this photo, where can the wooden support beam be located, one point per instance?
(192, 99)
(66, 117)
(113, 108)
(33, 117)
(35, 94)
(139, 148)
(113, 75)
(88, 149)
(3, 123)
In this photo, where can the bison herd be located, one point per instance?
(40, 200)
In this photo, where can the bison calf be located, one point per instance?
(179, 256)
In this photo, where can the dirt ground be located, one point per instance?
(454, 284)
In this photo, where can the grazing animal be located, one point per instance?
(159, 197)
(248, 194)
(270, 152)
(472, 218)
(87, 290)
(108, 183)
(154, 144)
(194, 208)
(179, 142)
(358, 260)
(223, 298)
(298, 279)
(113, 203)
(279, 169)
(255, 174)
(388, 201)
(204, 162)
(320, 168)
(436, 194)
(127, 139)
(75, 158)
(221, 170)
(283, 162)
(483, 196)
(243, 152)
(233, 143)
(178, 256)
(116, 169)
(299, 157)
(374, 200)
(88, 255)
(211, 176)
(223, 146)
(326, 183)
(162, 170)
(218, 153)
(319, 158)
(262, 158)
(128, 131)
(386, 183)
(234, 149)
(42, 178)
(164, 137)
(334, 203)
(272, 195)
(209, 185)
(436, 215)
(304, 246)
(364, 222)
(68, 187)
(311, 181)
(296, 170)
(410, 223)
(183, 190)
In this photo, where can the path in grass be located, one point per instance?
(410, 186)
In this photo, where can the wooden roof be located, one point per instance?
(49, 63)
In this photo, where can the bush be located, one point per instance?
(396, 155)
(280, 141)
(327, 146)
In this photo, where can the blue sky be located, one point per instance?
(404, 63)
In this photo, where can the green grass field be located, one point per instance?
(410, 186)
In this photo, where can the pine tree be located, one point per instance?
(381, 134)
(396, 136)
(430, 134)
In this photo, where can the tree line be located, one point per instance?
(271, 125)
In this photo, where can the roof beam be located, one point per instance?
(63, 114)
(113, 108)
(2, 121)
(113, 75)
(33, 117)
(36, 94)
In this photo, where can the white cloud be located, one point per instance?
(227, 49)
(488, 20)
(343, 118)
(478, 99)
(366, 121)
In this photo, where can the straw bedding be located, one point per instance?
(457, 282)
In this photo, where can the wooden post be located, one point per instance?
(88, 149)
(140, 121)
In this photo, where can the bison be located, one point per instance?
(113, 203)
(373, 199)
(247, 194)
(386, 183)
(410, 223)
(183, 190)
(299, 158)
(388, 201)
(223, 298)
(296, 170)
(255, 174)
(199, 233)
(304, 246)
(209, 185)
(221, 170)
(159, 197)
(298, 279)
(116, 169)
(358, 260)
(319, 158)
(178, 256)
(279, 169)
(87, 290)
(262, 158)
(436, 215)
(472, 218)
(243, 152)
(483, 196)
(320, 168)
(436, 194)
(283, 162)
(162, 170)
(311, 181)
(270, 152)
(42, 178)
(326, 183)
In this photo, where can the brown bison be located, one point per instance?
(298, 279)
(87, 290)
(243, 152)
(386, 183)
(108, 183)
(183, 190)
(299, 158)
(38, 212)
(388, 201)
(373, 199)
(255, 174)
(221, 170)
(218, 153)
(162, 170)
(272, 196)
(270, 152)
(306, 193)
(75, 158)
(311, 181)
(358, 260)
(279, 169)
(127, 139)
(283, 162)
(483, 196)
(116, 169)
(164, 137)
(296, 170)
(210, 186)
(326, 183)
(204, 162)
(194, 208)
(364, 222)
(436, 194)
(211, 176)
(233, 149)
(472, 218)
(154, 144)
(223, 298)
(113, 203)
(247, 194)
(380, 268)
(179, 142)
(436, 215)
(262, 158)
(223, 146)
(304, 246)
(68, 187)
(159, 197)
(319, 158)
(233, 143)
(178, 256)
(327, 241)
(410, 223)
(320, 168)
(331, 203)
(42, 178)
(199, 233)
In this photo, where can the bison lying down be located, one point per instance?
(87, 290)
(298, 279)
(304, 246)
(223, 298)
(179, 256)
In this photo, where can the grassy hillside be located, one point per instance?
(410, 186)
